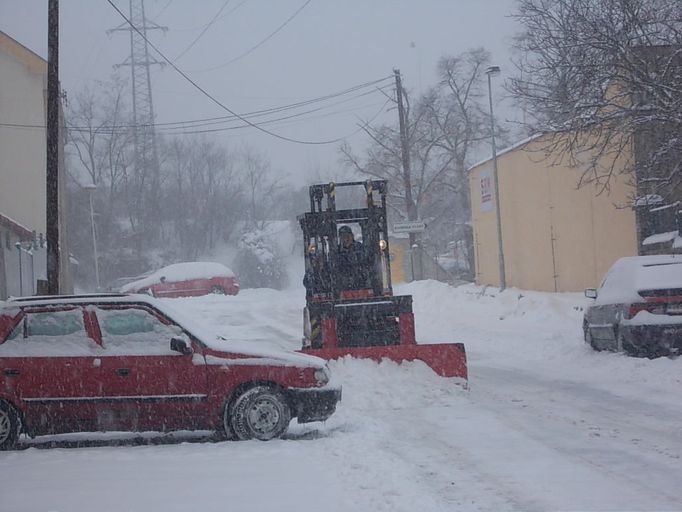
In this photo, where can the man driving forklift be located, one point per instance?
(352, 261)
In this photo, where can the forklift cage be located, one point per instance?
(320, 236)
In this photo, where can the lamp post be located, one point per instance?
(91, 190)
(494, 71)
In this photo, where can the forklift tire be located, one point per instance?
(261, 412)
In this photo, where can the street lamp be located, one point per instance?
(91, 190)
(494, 71)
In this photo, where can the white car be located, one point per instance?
(638, 307)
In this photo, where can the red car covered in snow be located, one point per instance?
(129, 363)
(188, 279)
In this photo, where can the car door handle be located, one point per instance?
(123, 372)
(11, 372)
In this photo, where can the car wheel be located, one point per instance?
(9, 426)
(261, 412)
(218, 290)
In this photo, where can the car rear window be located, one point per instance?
(50, 334)
(58, 323)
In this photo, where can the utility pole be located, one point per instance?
(144, 136)
(95, 254)
(407, 172)
(52, 144)
(494, 71)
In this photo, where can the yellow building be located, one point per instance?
(23, 114)
(556, 237)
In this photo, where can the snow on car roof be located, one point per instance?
(633, 274)
(215, 342)
(206, 336)
(182, 272)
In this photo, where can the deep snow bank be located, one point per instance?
(527, 331)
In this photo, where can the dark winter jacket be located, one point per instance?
(353, 268)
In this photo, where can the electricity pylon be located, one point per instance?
(146, 164)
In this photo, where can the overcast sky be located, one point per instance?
(327, 47)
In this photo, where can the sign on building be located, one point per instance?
(486, 187)
(415, 226)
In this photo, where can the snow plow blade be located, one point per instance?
(445, 359)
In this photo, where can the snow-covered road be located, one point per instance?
(546, 425)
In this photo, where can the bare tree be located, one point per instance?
(98, 125)
(458, 120)
(98, 122)
(383, 160)
(603, 80)
(260, 186)
(202, 195)
(444, 126)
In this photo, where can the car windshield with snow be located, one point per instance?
(103, 363)
(638, 307)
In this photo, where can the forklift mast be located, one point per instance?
(321, 243)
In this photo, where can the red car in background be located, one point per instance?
(189, 279)
(116, 362)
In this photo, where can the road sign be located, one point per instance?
(415, 226)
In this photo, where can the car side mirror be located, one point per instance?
(181, 345)
(591, 293)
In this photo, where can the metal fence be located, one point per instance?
(25, 264)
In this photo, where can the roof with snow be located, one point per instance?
(509, 149)
(19, 230)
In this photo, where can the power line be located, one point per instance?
(277, 121)
(209, 96)
(261, 43)
(190, 123)
(187, 130)
(201, 27)
(163, 9)
(190, 130)
(360, 128)
(256, 114)
(291, 106)
(210, 23)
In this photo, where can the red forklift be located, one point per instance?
(352, 310)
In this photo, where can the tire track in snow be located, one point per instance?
(640, 453)
(413, 437)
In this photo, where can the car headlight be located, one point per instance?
(322, 376)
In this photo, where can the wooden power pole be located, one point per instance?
(52, 170)
(407, 171)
